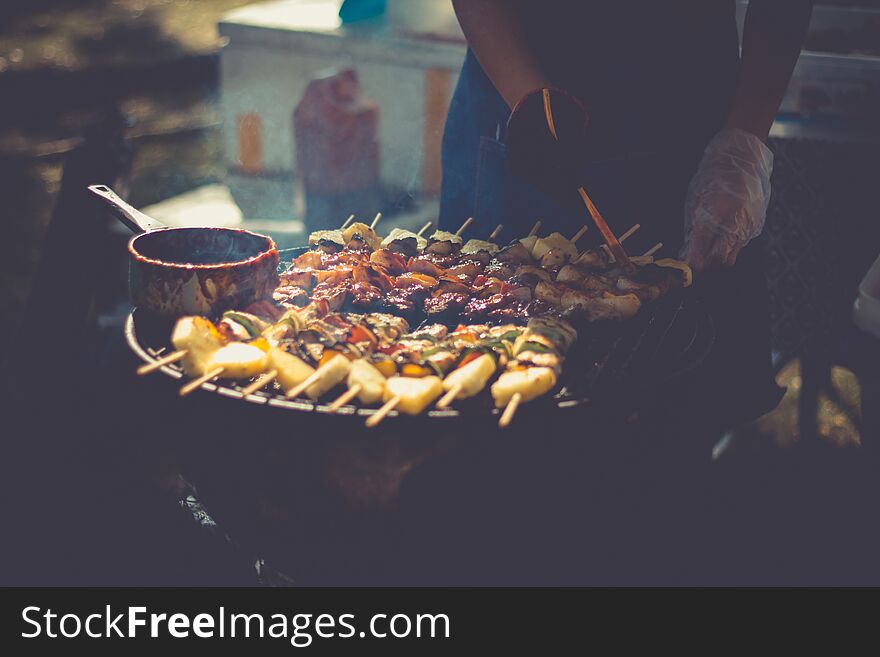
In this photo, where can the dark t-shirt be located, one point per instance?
(649, 71)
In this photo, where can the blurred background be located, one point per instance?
(286, 115)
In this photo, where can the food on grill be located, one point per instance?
(471, 378)
(342, 314)
(238, 360)
(413, 395)
(331, 373)
(529, 384)
(290, 370)
(199, 339)
(368, 380)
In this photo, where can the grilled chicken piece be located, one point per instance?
(422, 265)
(613, 307)
(445, 302)
(551, 293)
(297, 277)
(389, 262)
(334, 295)
(515, 253)
(422, 280)
(467, 268)
(530, 275)
(373, 276)
(592, 259)
(500, 269)
(569, 275)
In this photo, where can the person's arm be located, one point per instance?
(495, 33)
(727, 199)
(773, 35)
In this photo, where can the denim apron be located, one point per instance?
(638, 184)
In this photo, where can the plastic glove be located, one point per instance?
(552, 165)
(727, 199)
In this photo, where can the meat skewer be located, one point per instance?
(347, 221)
(375, 221)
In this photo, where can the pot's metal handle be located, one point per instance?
(136, 220)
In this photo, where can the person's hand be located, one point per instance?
(551, 164)
(727, 199)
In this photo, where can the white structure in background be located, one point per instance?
(408, 62)
(275, 48)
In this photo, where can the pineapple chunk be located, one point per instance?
(291, 370)
(472, 377)
(554, 242)
(371, 380)
(333, 372)
(529, 242)
(199, 338)
(239, 360)
(530, 383)
(415, 394)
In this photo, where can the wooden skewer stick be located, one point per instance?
(379, 415)
(510, 410)
(296, 391)
(197, 383)
(375, 221)
(535, 229)
(467, 222)
(450, 396)
(629, 233)
(347, 221)
(579, 234)
(653, 250)
(609, 237)
(495, 233)
(424, 228)
(261, 382)
(345, 397)
(173, 357)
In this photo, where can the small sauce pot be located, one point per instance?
(193, 271)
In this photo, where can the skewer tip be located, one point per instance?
(509, 411)
(467, 222)
(380, 415)
(375, 221)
